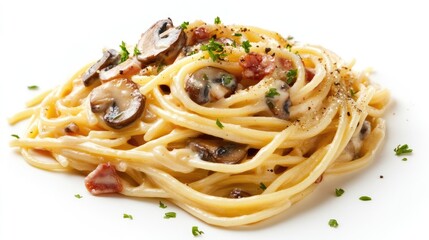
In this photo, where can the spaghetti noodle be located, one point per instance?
(231, 123)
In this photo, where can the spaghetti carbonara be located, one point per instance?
(231, 123)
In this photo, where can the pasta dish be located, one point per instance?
(231, 123)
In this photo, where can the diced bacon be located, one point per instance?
(200, 34)
(309, 74)
(103, 179)
(286, 64)
(256, 66)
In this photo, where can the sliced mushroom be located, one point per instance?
(365, 130)
(71, 128)
(279, 102)
(354, 146)
(209, 84)
(126, 69)
(119, 101)
(218, 150)
(238, 193)
(109, 59)
(161, 42)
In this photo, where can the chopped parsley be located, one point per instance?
(226, 79)
(219, 124)
(215, 50)
(333, 223)
(217, 20)
(162, 205)
(237, 35)
(365, 198)
(352, 92)
(339, 192)
(289, 37)
(289, 47)
(184, 25)
(78, 196)
(160, 67)
(404, 159)
(33, 87)
(170, 215)
(402, 149)
(124, 52)
(291, 76)
(136, 51)
(196, 232)
(128, 216)
(246, 45)
(272, 92)
(15, 136)
(262, 186)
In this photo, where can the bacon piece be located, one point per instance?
(200, 34)
(103, 179)
(309, 74)
(256, 66)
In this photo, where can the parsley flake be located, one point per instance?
(365, 198)
(136, 51)
(162, 205)
(352, 92)
(289, 47)
(15, 136)
(272, 92)
(78, 196)
(289, 37)
(170, 215)
(124, 52)
(217, 20)
(215, 50)
(196, 232)
(333, 223)
(226, 79)
(246, 45)
(339, 192)
(219, 124)
(404, 159)
(33, 87)
(184, 25)
(262, 186)
(291, 76)
(128, 216)
(237, 35)
(402, 149)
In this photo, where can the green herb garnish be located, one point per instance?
(262, 186)
(217, 20)
(339, 192)
(196, 231)
(170, 215)
(215, 50)
(78, 196)
(237, 35)
(33, 87)
(291, 76)
(226, 79)
(271, 93)
(365, 198)
(333, 223)
(352, 93)
(136, 51)
(128, 216)
(184, 25)
(289, 47)
(15, 136)
(124, 52)
(404, 159)
(162, 205)
(219, 124)
(402, 149)
(246, 45)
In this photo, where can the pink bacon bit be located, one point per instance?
(256, 66)
(200, 34)
(103, 179)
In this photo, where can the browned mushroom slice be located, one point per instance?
(209, 84)
(238, 193)
(218, 150)
(119, 101)
(124, 70)
(278, 99)
(110, 58)
(161, 42)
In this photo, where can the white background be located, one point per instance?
(44, 42)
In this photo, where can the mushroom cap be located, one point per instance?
(218, 150)
(125, 69)
(209, 84)
(279, 105)
(110, 58)
(119, 101)
(162, 41)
